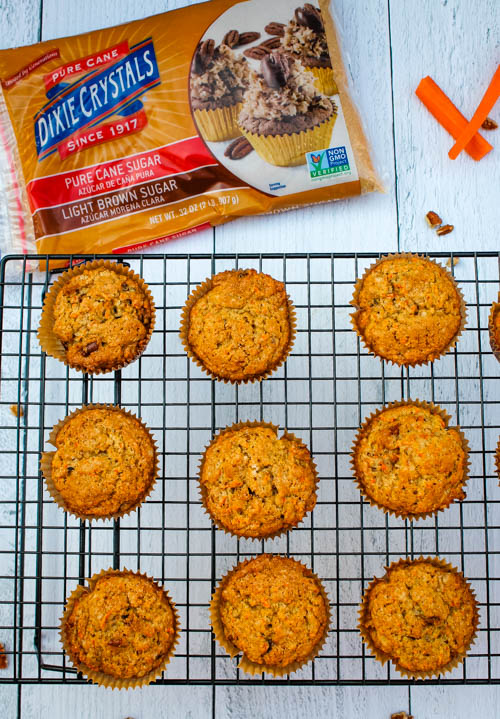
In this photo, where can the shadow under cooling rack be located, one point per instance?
(324, 391)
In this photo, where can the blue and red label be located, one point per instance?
(324, 163)
(99, 94)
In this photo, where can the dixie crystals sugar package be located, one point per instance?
(123, 137)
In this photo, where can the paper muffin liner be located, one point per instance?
(495, 310)
(107, 680)
(203, 491)
(290, 150)
(362, 432)
(432, 356)
(53, 346)
(219, 124)
(324, 79)
(245, 664)
(497, 460)
(382, 656)
(195, 295)
(47, 457)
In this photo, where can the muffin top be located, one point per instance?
(255, 484)
(305, 37)
(494, 327)
(408, 309)
(241, 328)
(408, 460)
(104, 464)
(273, 610)
(421, 615)
(102, 319)
(283, 99)
(124, 626)
(218, 78)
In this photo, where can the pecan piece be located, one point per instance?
(207, 50)
(3, 657)
(17, 411)
(272, 44)
(231, 38)
(433, 219)
(275, 69)
(247, 37)
(445, 229)
(401, 715)
(275, 28)
(238, 149)
(257, 53)
(309, 16)
(489, 124)
(91, 347)
(198, 64)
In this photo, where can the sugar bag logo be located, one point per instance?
(107, 83)
(325, 163)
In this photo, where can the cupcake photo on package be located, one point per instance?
(268, 94)
(304, 37)
(218, 81)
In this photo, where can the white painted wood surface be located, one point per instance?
(458, 44)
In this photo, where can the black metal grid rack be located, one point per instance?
(326, 388)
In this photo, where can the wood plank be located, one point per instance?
(456, 43)
(457, 702)
(91, 702)
(19, 22)
(321, 703)
(358, 224)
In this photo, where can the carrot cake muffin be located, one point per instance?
(304, 38)
(408, 309)
(254, 484)
(284, 115)
(407, 460)
(218, 81)
(494, 328)
(102, 318)
(104, 465)
(421, 614)
(239, 325)
(497, 459)
(273, 610)
(122, 626)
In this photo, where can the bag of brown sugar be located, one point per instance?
(122, 138)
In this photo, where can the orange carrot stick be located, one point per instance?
(445, 112)
(489, 99)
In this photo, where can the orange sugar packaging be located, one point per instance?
(125, 137)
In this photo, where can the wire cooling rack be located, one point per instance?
(324, 391)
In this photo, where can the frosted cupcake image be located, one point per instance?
(217, 83)
(305, 38)
(283, 114)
